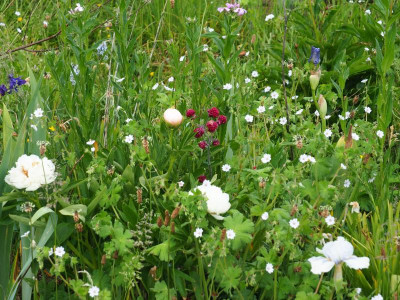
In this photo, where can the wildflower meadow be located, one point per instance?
(199, 149)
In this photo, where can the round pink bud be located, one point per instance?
(215, 142)
(201, 178)
(222, 119)
(212, 126)
(213, 112)
(190, 113)
(202, 145)
(199, 132)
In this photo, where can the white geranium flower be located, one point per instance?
(226, 168)
(269, 268)
(155, 86)
(343, 166)
(31, 172)
(330, 220)
(171, 79)
(266, 158)
(227, 86)
(346, 183)
(181, 183)
(299, 112)
(267, 89)
(377, 297)
(230, 234)
(328, 133)
(205, 48)
(367, 109)
(247, 80)
(249, 118)
(94, 291)
(336, 253)
(254, 74)
(269, 17)
(294, 223)
(261, 109)
(217, 200)
(355, 136)
(380, 134)
(198, 233)
(265, 216)
(274, 95)
(283, 121)
(129, 139)
(316, 113)
(38, 113)
(59, 251)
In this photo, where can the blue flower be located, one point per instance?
(3, 89)
(14, 82)
(315, 55)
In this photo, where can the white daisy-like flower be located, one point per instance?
(90, 142)
(330, 220)
(198, 233)
(249, 118)
(226, 168)
(267, 89)
(283, 121)
(367, 109)
(205, 48)
(230, 234)
(367, 12)
(34, 127)
(328, 133)
(355, 136)
(261, 109)
(335, 253)
(25, 234)
(171, 79)
(316, 113)
(254, 74)
(129, 139)
(346, 183)
(269, 268)
(227, 86)
(17, 13)
(265, 216)
(299, 112)
(274, 95)
(269, 17)
(155, 86)
(294, 223)
(38, 113)
(343, 166)
(59, 251)
(181, 183)
(182, 58)
(94, 291)
(247, 80)
(380, 134)
(377, 297)
(266, 158)
(364, 81)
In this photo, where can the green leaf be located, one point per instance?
(162, 250)
(243, 229)
(40, 213)
(229, 278)
(79, 208)
(161, 291)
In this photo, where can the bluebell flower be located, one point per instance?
(14, 82)
(3, 89)
(315, 55)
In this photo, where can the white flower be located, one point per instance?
(355, 207)
(364, 81)
(227, 86)
(19, 30)
(372, 179)
(198, 232)
(93, 149)
(346, 183)
(205, 48)
(155, 86)
(367, 109)
(294, 223)
(306, 158)
(265, 216)
(226, 168)
(254, 74)
(274, 95)
(316, 113)
(328, 133)
(299, 112)
(90, 142)
(269, 268)
(327, 117)
(380, 134)
(330, 220)
(2, 24)
(267, 89)
(269, 17)
(51, 252)
(247, 80)
(367, 12)
(173, 117)
(230, 234)
(377, 297)
(347, 115)
(283, 121)
(17, 13)
(180, 183)
(38, 113)
(171, 79)
(45, 24)
(380, 22)
(59, 251)
(382, 34)
(343, 167)
(128, 139)
(271, 107)
(341, 117)
(34, 127)
(266, 158)
(358, 291)
(128, 120)
(94, 291)
(368, 59)
(167, 88)
(182, 58)
(217, 200)
(335, 253)
(31, 172)
(249, 118)
(25, 234)
(355, 136)
(261, 109)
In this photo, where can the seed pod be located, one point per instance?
(79, 227)
(145, 144)
(173, 227)
(299, 144)
(383, 253)
(167, 218)
(223, 235)
(242, 53)
(355, 99)
(290, 66)
(42, 149)
(352, 114)
(159, 222)
(76, 217)
(294, 210)
(103, 259)
(139, 196)
(366, 158)
(262, 184)
(153, 272)
(297, 269)
(115, 254)
(175, 212)
(172, 2)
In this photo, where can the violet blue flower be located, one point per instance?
(315, 55)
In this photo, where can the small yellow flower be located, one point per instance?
(108, 35)
(107, 28)
(361, 156)
(151, 74)
(99, 4)
(52, 128)
(19, 19)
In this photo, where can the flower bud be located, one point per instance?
(212, 126)
(175, 212)
(167, 218)
(341, 142)
(173, 117)
(323, 107)
(314, 79)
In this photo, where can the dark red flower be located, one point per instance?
(202, 145)
(213, 112)
(212, 126)
(215, 142)
(201, 178)
(199, 132)
(254, 167)
(190, 113)
(222, 119)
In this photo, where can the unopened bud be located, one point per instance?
(76, 217)
(139, 196)
(314, 79)
(103, 259)
(173, 227)
(223, 235)
(159, 222)
(167, 218)
(175, 212)
(323, 107)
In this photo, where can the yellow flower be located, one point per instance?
(151, 74)
(108, 35)
(52, 128)
(19, 19)
(361, 156)
(107, 28)
(98, 4)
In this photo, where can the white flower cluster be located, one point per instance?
(306, 158)
(217, 200)
(31, 172)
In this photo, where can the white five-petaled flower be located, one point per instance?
(346, 183)
(90, 142)
(364, 81)
(181, 183)
(269, 268)
(269, 17)
(25, 234)
(247, 80)
(330, 220)
(377, 297)
(254, 74)
(38, 113)
(343, 166)
(129, 139)
(17, 13)
(283, 121)
(171, 79)
(155, 86)
(230, 234)
(306, 158)
(274, 95)
(380, 134)
(266, 158)
(226, 168)
(94, 291)
(198, 232)
(59, 251)
(267, 89)
(261, 109)
(328, 133)
(294, 223)
(265, 216)
(249, 118)
(335, 253)
(367, 12)
(227, 86)
(316, 113)
(367, 109)
(355, 136)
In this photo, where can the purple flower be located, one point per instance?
(3, 89)
(315, 55)
(240, 11)
(14, 82)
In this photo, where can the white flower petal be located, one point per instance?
(320, 264)
(357, 263)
